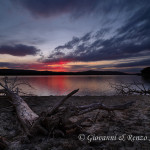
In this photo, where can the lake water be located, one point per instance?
(89, 85)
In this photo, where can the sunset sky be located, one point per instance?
(75, 35)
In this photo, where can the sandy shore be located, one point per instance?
(134, 121)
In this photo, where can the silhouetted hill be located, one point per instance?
(34, 72)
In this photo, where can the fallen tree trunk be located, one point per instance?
(55, 108)
(91, 107)
(26, 116)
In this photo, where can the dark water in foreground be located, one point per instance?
(89, 85)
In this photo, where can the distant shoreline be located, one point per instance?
(15, 72)
(69, 75)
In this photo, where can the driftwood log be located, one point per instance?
(55, 118)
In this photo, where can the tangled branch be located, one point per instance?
(137, 88)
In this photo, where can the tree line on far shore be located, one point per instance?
(146, 72)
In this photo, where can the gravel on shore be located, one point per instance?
(133, 123)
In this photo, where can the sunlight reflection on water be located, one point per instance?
(89, 85)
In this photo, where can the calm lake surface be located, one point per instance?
(96, 85)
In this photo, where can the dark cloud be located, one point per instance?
(111, 49)
(75, 42)
(138, 21)
(137, 27)
(86, 37)
(57, 54)
(51, 8)
(69, 45)
(36, 66)
(7, 65)
(19, 50)
(87, 67)
(130, 40)
(145, 62)
(101, 33)
(13, 65)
